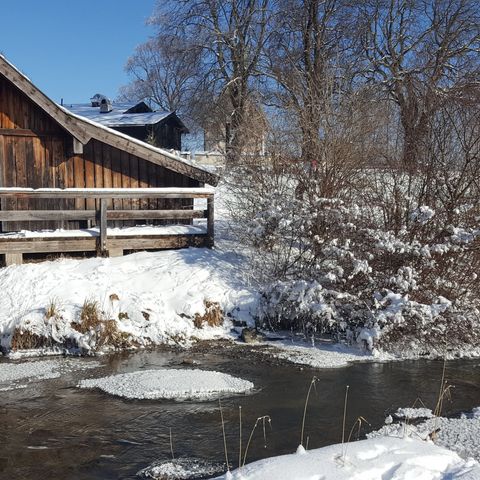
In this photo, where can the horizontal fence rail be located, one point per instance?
(126, 193)
(101, 215)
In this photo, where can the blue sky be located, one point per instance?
(74, 49)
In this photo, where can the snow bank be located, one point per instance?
(153, 297)
(461, 435)
(169, 384)
(372, 459)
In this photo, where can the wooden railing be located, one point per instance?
(100, 215)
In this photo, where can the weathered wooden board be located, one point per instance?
(93, 193)
(89, 244)
(67, 215)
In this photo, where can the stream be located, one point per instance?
(53, 430)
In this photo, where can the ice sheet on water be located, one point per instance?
(170, 384)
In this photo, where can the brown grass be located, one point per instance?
(212, 317)
(52, 310)
(25, 340)
(92, 319)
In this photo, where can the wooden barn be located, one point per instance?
(62, 171)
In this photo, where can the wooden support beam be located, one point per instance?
(13, 259)
(47, 245)
(102, 224)
(211, 222)
(155, 214)
(13, 246)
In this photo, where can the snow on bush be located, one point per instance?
(333, 267)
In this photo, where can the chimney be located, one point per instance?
(105, 105)
(97, 100)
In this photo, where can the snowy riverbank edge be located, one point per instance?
(153, 298)
(386, 458)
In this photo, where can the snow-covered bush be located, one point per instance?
(329, 265)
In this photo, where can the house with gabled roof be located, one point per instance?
(136, 119)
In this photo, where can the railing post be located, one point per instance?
(102, 224)
(210, 221)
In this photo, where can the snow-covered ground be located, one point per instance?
(372, 459)
(170, 384)
(152, 296)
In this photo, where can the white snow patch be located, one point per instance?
(138, 230)
(319, 355)
(20, 375)
(461, 435)
(413, 413)
(169, 384)
(181, 469)
(372, 459)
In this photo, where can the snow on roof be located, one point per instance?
(117, 117)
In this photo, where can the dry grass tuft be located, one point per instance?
(91, 317)
(53, 309)
(105, 330)
(212, 317)
(26, 340)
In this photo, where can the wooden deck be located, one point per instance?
(13, 247)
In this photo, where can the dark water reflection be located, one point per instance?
(53, 430)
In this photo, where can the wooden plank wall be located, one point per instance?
(36, 152)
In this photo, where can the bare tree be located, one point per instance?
(310, 65)
(421, 52)
(300, 55)
(231, 35)
(165, 72)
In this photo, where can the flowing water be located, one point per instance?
(52, 430)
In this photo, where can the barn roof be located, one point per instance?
(84, 129)
(120, 115)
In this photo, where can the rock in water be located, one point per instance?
(251, 335)
(181, 469)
